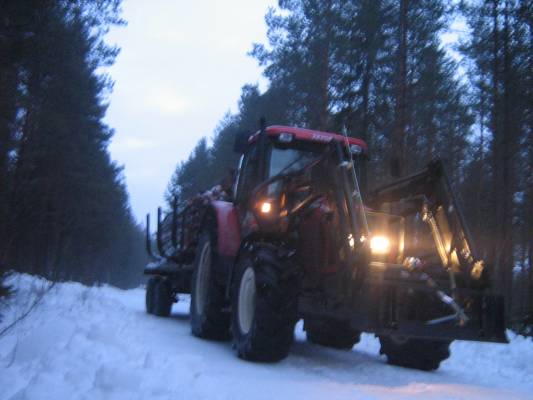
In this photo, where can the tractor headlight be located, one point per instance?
(265, 207)
(379, 245)
(351, 241)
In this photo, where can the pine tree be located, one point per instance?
(299, 65)
(192, 176)
(499, 49)
(67, 208)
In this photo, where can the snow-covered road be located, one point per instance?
(98, 343)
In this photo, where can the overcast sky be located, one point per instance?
(181, 68)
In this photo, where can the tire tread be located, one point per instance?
(423, 354)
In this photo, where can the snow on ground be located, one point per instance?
(98, 343)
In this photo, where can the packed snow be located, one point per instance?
(98, 343)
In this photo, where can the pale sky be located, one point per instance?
(181, 68)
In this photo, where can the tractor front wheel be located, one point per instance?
(423, 354)
(331, 333)
(263, 309)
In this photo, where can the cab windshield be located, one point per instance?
(287, 160)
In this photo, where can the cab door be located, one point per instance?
(248, 175)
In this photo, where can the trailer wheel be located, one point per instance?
(150, 294)
(208, 320)
(263, 310)
(331, 333)
(162, 297)
(423, 354)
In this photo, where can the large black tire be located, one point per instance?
(162, 298)
(331, 333)
(421, 354)
(263, 308)
(208, 318)
(150, 294)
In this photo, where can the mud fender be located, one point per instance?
(228, 232)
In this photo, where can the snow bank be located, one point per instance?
(98, 343)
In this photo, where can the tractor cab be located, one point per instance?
(301, 187)
(282, 149)
(282, 169)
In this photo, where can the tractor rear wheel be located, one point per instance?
(331, 333)
(161, 297)
(423, 354)
(263, 309)
(208, 320)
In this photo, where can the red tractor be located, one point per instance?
(295, 240)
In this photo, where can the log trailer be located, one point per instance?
(296, 238)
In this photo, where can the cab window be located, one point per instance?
(288, 160)
(248, 174)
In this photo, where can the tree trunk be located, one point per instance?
(371, 53)
(481, 201)
(496, 218)
(399, 133)
(8, 95)
(507, 187)
(324, 60)
(529, 181)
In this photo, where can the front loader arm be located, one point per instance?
(477, 312)
(430, 193)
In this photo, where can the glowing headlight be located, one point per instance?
(266, 207)
(379, 245)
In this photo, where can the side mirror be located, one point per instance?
(241, 142)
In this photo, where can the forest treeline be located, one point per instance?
(63, 203)
(377, 69)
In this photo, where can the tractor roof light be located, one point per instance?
(285, 137)
(356, 149)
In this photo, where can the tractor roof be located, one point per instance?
(310, 135)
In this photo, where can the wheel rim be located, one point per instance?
(246, 306)
(204, 267)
